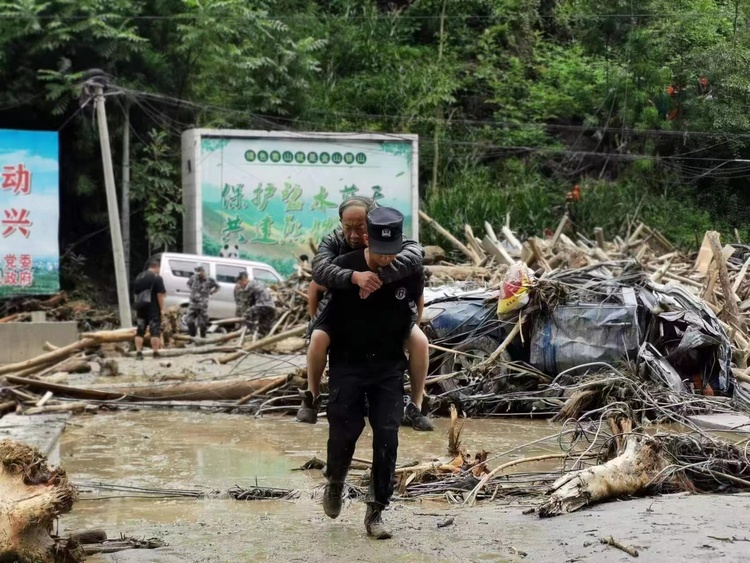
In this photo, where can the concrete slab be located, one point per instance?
(23, 341)
(41, 431)
(735, 422)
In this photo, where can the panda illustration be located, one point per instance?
(228, 251)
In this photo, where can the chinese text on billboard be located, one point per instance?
(29, 213)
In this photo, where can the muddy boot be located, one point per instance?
(308, 412)
(374, 522)
(416, 419)
(332, 499)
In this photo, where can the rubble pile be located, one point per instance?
(59, 308)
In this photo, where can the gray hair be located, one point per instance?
(366, 203)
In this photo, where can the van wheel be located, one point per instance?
(182, 325)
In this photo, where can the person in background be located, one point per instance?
(202, 287)
(239, 301)
(328, 275)
(149, 293)
(256, 302)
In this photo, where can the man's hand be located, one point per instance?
(364, 294)
(368, 281)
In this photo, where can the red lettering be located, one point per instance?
(17, 178)
(16, 221)
(10, 262)
(11, 277)
(26, 279)
(26, 261)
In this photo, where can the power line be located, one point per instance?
(500, 150)
(390, 17)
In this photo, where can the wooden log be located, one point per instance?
(511, 238)
(196, 350)
(560, 228)
(33, 496)
(538, 254)
(55, 300)
(730, 300)
(528, 256)
(49, 357)
(663, 269)
(741, 276)
(231, 321)
(264, 390)
(231, 357)
(471, 240)
(433, 255)
(490, 232)
(459, 273)
(6, 407)
(227, 389)
(219, 339)
(599, 234)
(630, 473)
(43, 401)
(268, 340)
(73, 408)
(449, 237)
(639, 229)
(111, 336)
(74, 365)
(497, 251)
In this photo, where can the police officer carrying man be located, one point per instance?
(367, 362)
(256, 305)
(201, 288)
(326, 274)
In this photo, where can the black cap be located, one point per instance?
(200, 268)
(385, 229)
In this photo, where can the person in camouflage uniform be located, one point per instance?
(201, 288)
(256, 304)
(239, 299)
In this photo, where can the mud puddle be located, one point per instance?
(213, 452)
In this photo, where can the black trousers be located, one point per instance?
(381, 383)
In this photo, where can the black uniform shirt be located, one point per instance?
(375, 327)
(149, 280)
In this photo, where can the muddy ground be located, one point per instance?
(212, 452)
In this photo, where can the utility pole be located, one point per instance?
(125, 196)
(123, 296)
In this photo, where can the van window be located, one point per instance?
(228, 274)
(265, 276)
(182, 268)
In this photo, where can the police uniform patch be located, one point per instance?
(400, 293)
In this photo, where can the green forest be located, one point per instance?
(643, 104)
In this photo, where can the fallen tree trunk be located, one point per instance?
(459, 273)
(268, 340)
(177, 352)
(49, 357)
(630, 473)
(228, 389)
(32, 496)
(449, 237)
(111, 336)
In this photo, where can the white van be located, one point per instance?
(176, 269)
